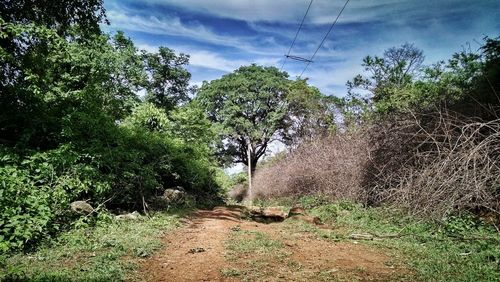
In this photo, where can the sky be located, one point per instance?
(222, 35)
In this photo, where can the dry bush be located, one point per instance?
(427, 164)
(238, 192)
(331, 166)
(433, 164)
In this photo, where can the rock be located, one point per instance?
(174, 196)
(171, 197)
(306, 218)
(129, 216)
(296, 210)
(275, 212)
(81, 207)
(268, 214)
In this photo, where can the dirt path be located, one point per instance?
(218, 245)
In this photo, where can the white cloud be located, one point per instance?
(323, 11)
(173, 26)
(214, 61)
(211, 60)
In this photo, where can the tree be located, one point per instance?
(396, 69)
(168, 80)
(250, 107)
(310, 113)
(59, 15)
(127, 75)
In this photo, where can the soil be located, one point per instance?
(198, 252)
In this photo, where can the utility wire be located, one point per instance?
(296, 35)
(324, 38)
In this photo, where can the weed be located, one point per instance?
(230, 272)
(459, 248)
(251, 241)
(107, 252)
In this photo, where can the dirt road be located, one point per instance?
(218, 245)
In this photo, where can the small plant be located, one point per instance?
(230, 272)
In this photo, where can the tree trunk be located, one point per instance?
(253, 166)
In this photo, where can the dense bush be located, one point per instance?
(72, 126)
(426, 165)
(36, 191)
(434, 164)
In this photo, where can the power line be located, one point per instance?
(324, 38)
(297, 58)
(296, 35)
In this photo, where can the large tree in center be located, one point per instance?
(250, 106)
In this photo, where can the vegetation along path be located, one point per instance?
(220, 245)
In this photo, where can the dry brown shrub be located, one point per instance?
(238, 192)
(427, 164)
(433, 164)
(331, 166)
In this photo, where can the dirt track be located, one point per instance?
(218, 245)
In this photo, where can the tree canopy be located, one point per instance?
(249, 106)
(256, 105)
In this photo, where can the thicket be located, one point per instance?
(73, 126)
(425, 140)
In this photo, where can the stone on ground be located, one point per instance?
(81, 207)
(268, 214)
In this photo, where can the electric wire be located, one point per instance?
(296, 35)
(324, 38)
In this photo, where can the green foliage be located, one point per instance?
(190, 124)
(148, 117)
(312, 201)
(25, 213)
(141, 158)
(468, 83)
(73, 127)
(107, 252)
(168, 85)
(49, 89)
(227, 182)
(310, 114)
(396, 69)
(35, 194)
(58, 15)
(255, 105)
(354, 109)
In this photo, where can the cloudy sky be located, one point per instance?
(221, 35)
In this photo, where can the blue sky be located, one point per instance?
(222, 35)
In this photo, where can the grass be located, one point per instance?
(106, 252)
(244, 242)
(253, 252)
(230, 272)
(457, 248)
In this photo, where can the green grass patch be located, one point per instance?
(106, 252)
(230, 272)
(457, 248)
(253, 251)
(243, 242)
